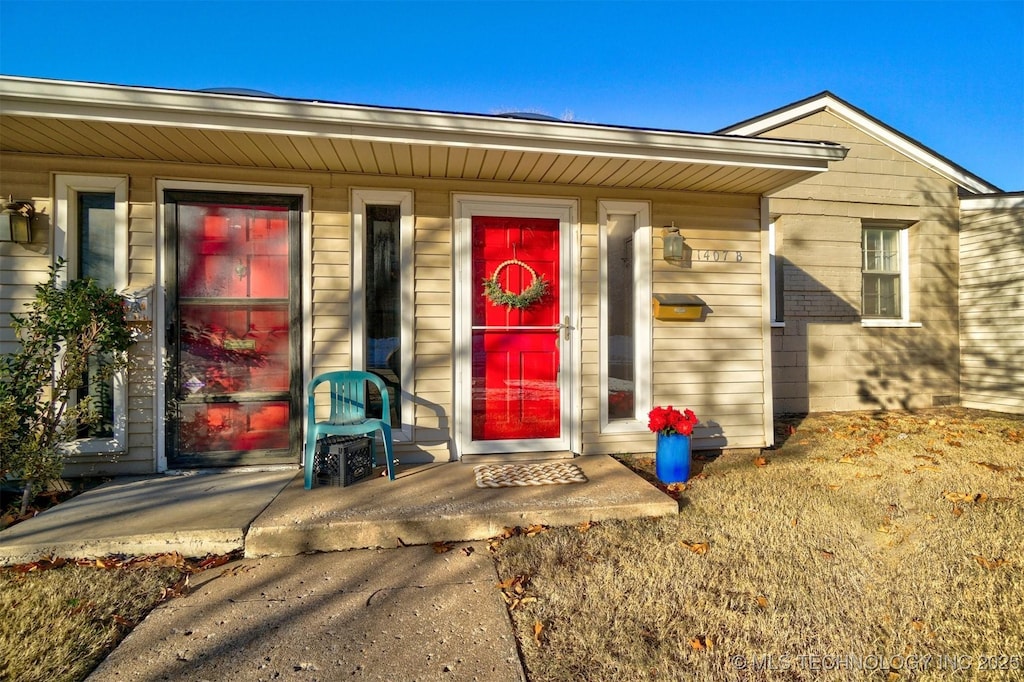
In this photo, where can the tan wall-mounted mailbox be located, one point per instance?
(678, 307)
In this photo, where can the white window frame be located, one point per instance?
(903, 230)
(642, 323)
(774, 268)
(403, 199)
(67, 187)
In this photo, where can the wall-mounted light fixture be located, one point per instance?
(16, 221)
(673, 247)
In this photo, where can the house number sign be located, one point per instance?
(718, 255)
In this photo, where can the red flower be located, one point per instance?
(669, 421)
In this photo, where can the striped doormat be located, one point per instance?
(517, 475)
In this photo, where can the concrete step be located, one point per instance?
(441, 502)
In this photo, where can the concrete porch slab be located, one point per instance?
(440, 502)
(194, 515)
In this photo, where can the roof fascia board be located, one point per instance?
(121, 104)
(994, 202)
(871, 126)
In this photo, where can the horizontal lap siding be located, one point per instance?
(992, 310)
(432, 250)
(714, 366)
(824, 359)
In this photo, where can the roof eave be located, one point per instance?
(201, 110)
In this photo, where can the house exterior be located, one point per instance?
(992, 302)
(264, 240)
(894, 274)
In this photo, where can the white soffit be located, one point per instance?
(111, 121)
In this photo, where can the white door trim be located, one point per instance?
(566, 211)
(159, 307)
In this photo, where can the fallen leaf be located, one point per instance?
(957, 497)
(834, 486)
(892, 676)
(990, 564)
(211, 561)
(762, 601)
(887, 529)
(535, 529)
(676, 487)
(957, 510)
(441, 547)
(701, 642)
(538, 629)
(847, 460)
(826, 553)
(507, 583)
(927, 458)
(993, 467)
(696, 547)
(761, 462)
(927, 467)
(468, 550)
(584, 526)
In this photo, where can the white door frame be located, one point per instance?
(566, 211)
(160, 302)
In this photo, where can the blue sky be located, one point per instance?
(948, 74)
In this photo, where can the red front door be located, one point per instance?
(515, 375)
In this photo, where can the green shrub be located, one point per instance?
(66, 325)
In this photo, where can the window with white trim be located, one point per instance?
(776, 275)
(91, 234)
(382, 301)
(625, 348)
(885, 285)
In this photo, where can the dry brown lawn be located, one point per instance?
(867, 546)
(59, 618)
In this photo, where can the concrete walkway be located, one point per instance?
(397, 614)
(298, 608)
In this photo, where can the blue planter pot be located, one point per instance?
(672, 458)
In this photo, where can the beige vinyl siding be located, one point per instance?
(824, 359)
(713, 366)
(992, 310)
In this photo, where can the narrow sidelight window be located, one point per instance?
(621, 323)
(382, 300)
(625, 349)
(96, 261)
(383, 279)
(90, 220)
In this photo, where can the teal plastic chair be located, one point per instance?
(348, 415)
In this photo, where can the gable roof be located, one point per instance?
(96, 120)
(826, 101)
